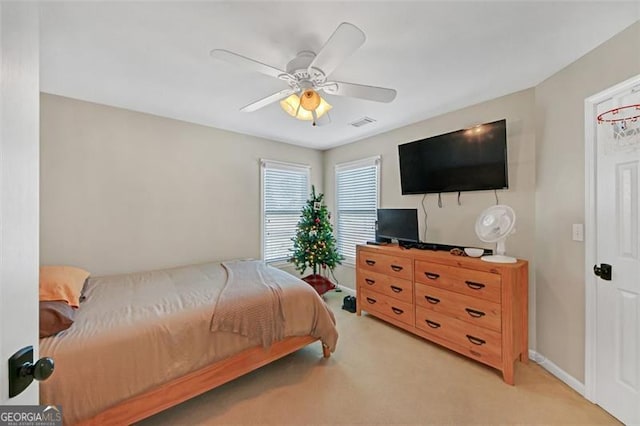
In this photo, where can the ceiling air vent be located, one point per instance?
(362, 122)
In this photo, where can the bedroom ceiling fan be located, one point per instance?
(307, 74)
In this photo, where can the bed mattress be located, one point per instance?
(137, 331)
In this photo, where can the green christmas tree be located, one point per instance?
(314, 245)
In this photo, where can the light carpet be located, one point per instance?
(380, 374)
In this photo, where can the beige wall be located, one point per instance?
(560, 193)
(454, 224)
(124, 191)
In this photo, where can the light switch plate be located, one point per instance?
(578, 232)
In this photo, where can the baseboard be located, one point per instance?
(347, 290)
(552, 368)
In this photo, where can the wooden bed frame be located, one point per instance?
(186, 387)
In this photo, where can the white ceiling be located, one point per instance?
(439, 56)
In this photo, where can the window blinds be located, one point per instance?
(285, 189)
(357, 203)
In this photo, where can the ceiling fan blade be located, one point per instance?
(372, 93)
(246, 63)
(342, 43)
(268, 100)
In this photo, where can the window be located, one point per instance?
(356, 204)
(285, 188)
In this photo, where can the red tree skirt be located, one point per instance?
(319, 283)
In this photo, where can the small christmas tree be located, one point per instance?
(314, 245)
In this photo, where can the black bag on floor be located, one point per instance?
(349, 304)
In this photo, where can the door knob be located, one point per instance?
(603, 271)
(41, 370)
(22, 370)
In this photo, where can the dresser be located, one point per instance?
(476, 308)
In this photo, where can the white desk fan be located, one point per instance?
(494, 226)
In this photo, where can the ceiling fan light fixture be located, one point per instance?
(310, 100)
(293, 104)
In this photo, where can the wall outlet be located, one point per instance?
(578, 232)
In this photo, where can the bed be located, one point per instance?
(146, 341)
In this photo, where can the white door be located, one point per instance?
(19, 171)
(617, 313)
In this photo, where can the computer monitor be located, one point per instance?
(398, 224)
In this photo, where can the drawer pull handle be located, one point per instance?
(432, 324)
(371, 301)
(369, 281)
(396, 289)
(432, 300)
(475, 340)
(397, 268)
(432, 276)
(370, 262)
(474, 313)
(397, 311)
(474, 285)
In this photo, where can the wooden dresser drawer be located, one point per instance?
(480, 284)
(395, 266)
(391, 286)
(466, 308)
(373, 302)
(478, 341)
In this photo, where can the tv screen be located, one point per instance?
(465, 160)
(399, 224)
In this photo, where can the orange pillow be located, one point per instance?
(62, 283)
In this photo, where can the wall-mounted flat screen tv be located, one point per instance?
(465, 160)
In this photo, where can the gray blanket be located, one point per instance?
(251, 302)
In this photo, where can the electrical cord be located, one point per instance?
(440, 199)
(337, 289)
(495, 192)
(459, 203)
(424, 208)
